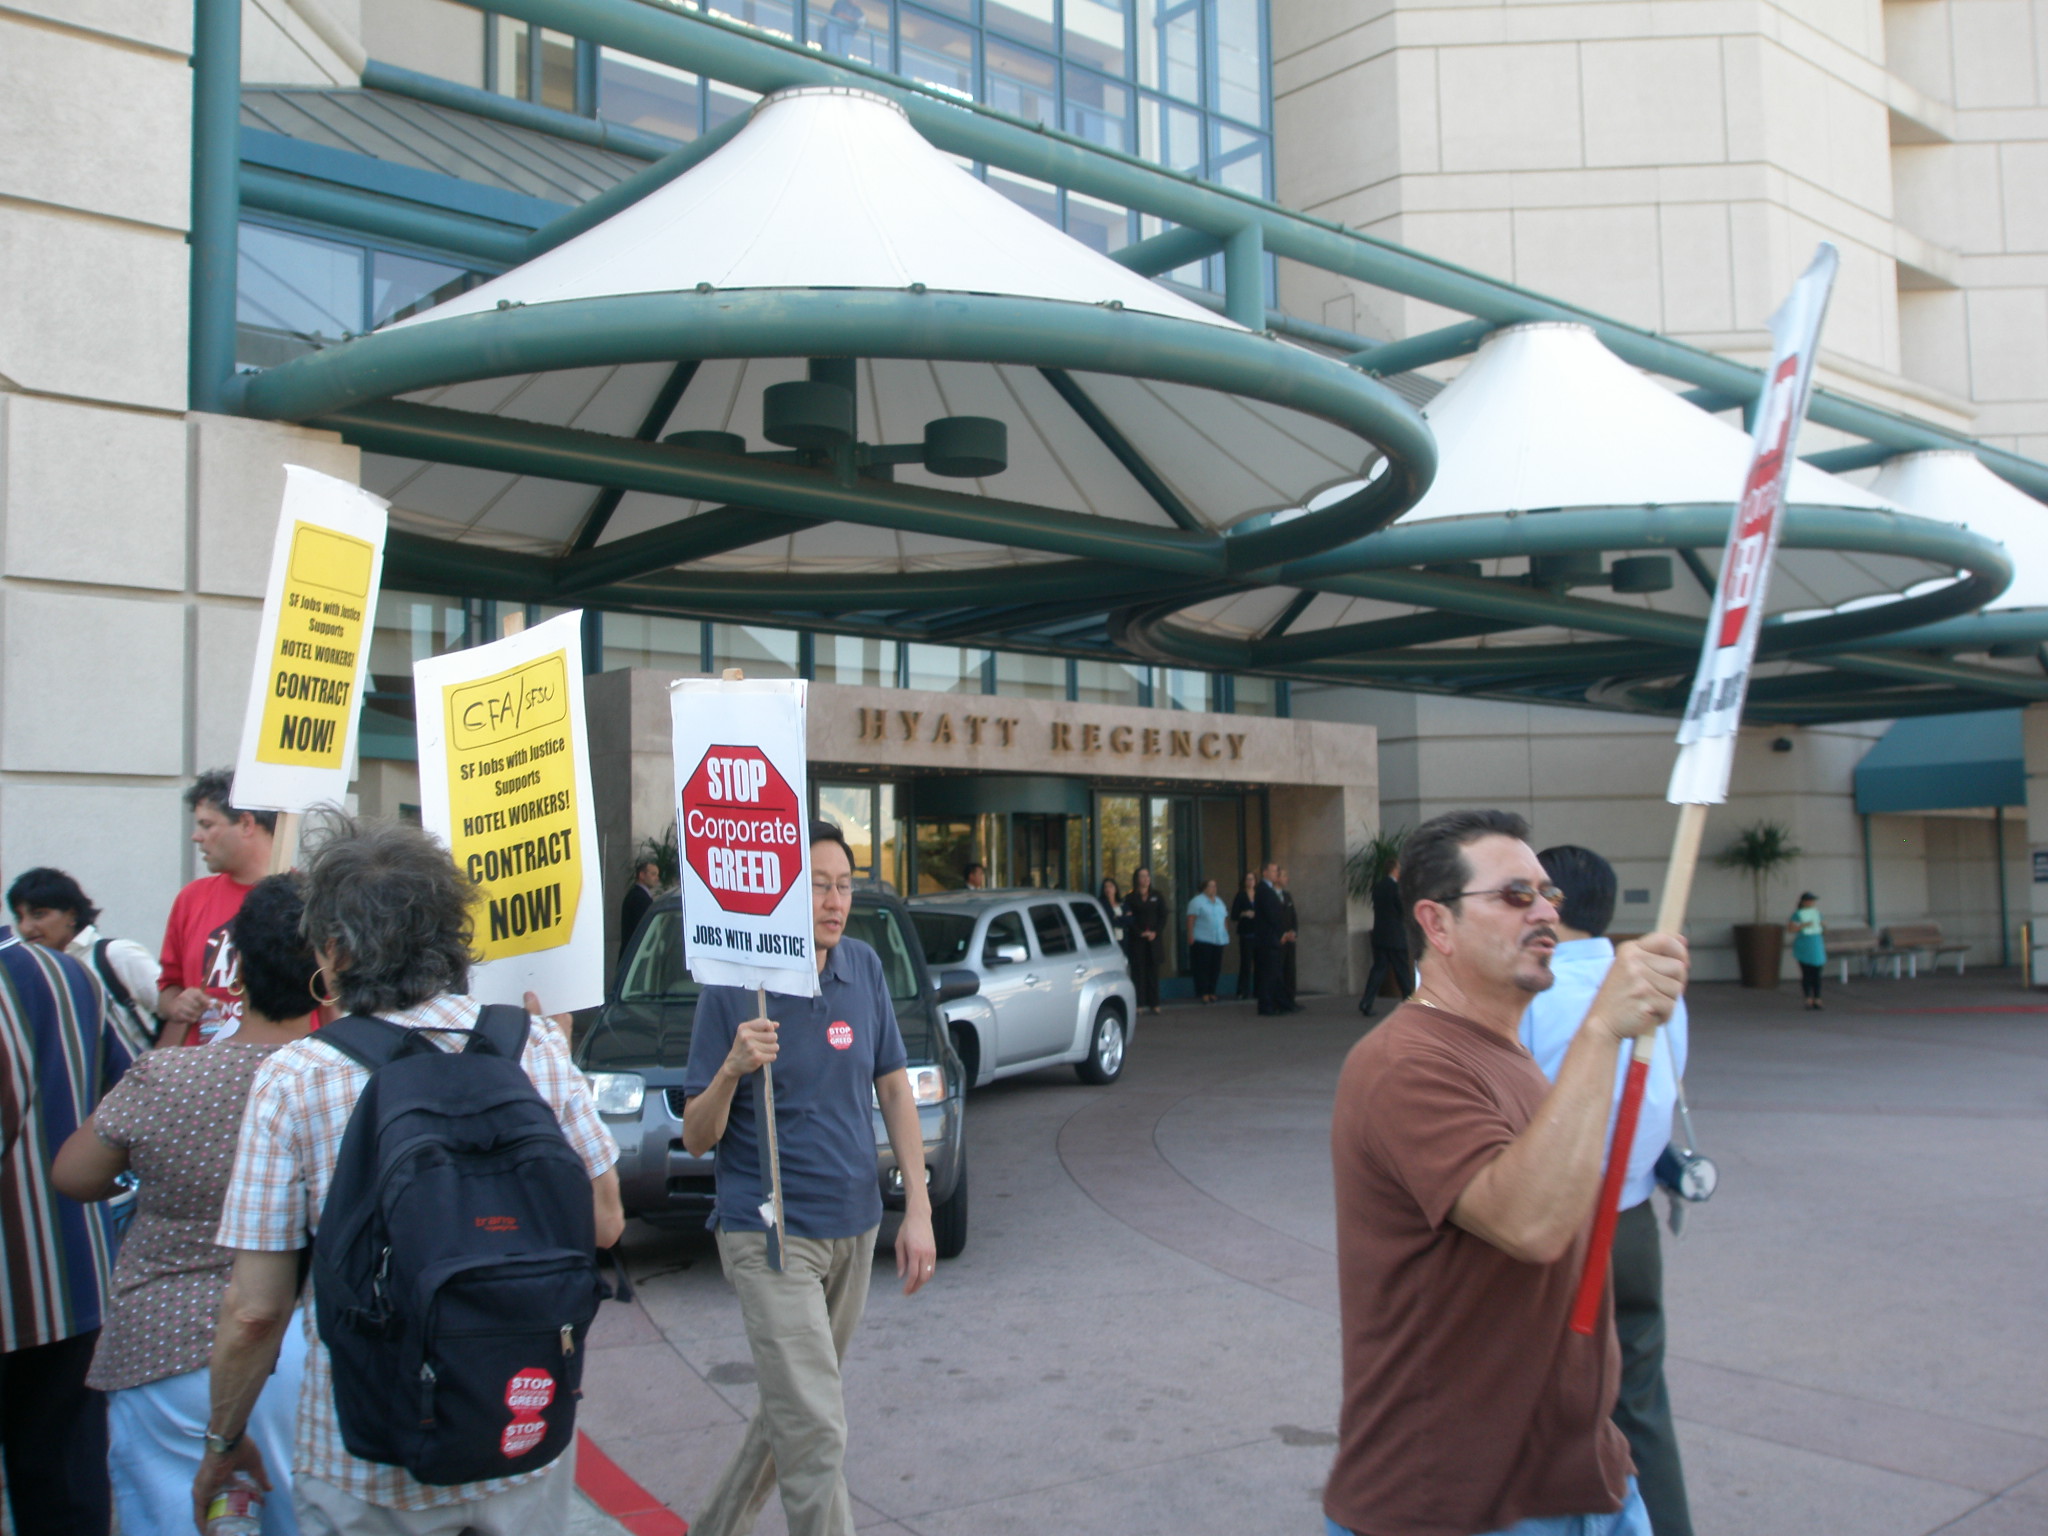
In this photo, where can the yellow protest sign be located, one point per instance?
(514, 823)
(312, 687)
(311, 660)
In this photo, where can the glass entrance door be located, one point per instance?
(1183, 840)
(1038, 851)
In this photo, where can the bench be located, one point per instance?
(1847, 939)
(1908, 941)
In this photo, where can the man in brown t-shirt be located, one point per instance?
(1465, 1191)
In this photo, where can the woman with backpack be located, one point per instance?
(52, 910)
(172, 1122)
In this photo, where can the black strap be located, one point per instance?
(501, 1028)
(108, 979)
(368, 1042)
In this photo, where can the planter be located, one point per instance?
(1760, 953)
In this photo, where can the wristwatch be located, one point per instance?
(221, 1445)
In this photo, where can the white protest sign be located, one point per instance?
(742, 833)
(1706, 737)
(505, 783)
(312, 651)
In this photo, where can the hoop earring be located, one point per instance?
(320, 980)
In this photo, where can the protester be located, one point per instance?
(1389, 942)
(1581, 962)
(1465, 1187)
(197, 994)
(1208, 937)
(52, 910)
(58, 1055)
(845, 1054)
(1290, 945)
(639, 897)
(977, 877)
(1145, 919)
(172, 1122)
(388, 917)
(1809, 947)
(1243, 916)
(1269, 937)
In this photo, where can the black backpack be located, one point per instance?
(455, 1272)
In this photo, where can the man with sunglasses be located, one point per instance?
(1465, 1187)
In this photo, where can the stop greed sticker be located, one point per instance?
(841, 1036)
(741, 832)
(526, 1394)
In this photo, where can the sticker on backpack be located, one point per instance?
(841, 1036)
(526, 1394)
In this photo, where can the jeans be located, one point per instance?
(157, 1432)
(1630, 1520)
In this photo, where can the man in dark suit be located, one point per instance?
(639, 897)
(1389, 941)
(1290, 946)
(1269, 933)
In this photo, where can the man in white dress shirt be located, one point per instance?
(1580, 963)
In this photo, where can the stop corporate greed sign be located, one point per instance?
(505, 783)
(740, 820)
(299, 730)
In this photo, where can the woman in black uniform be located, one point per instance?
(1145, 937)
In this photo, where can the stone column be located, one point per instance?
(2035, 724)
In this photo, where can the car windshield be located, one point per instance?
(945, 935)
(649, 1025)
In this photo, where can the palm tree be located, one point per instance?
(1761, 851)
(1371, 859)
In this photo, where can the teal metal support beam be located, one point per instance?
(216, 198)
(1135, 463)
(1838, 461)
(1168, 251)
(594, 131)
(1297, 605)
(368, 213)
(1713, 401)
(625, 193)
(517, 447)
(1244, 278)
(690, 538)
(1419, 351)
(666, 399)
(1915, 668)
(1970, 632)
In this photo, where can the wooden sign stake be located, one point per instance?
(284, 841)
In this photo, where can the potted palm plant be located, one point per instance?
(1362, 871)
(1760, 851)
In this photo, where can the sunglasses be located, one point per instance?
(1519, 894)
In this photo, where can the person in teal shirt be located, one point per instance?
(1208, 937)
(1808, 947)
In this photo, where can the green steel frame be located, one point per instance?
(1877, 660)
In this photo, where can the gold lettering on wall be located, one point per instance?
(1236, 740)
(1091, 738)
(1006, 730)
(1120, 738)
(973, 724)
(1062, 736)
(1180, 743)
(942, 733)
(910, 717)
(1084, 737)
(1150, 738)
(874, 724)
(1207, 745)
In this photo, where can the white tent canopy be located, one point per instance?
(832, 189)
(1953, 486)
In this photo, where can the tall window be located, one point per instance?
(1185, 84)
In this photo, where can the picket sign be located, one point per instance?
(505, 784)
(1713, 712)
(299, 728)
(744, 853)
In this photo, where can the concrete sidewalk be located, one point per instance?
(1141, 1336)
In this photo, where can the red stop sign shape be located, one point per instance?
(741, 830)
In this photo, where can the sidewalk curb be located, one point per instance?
(605, 1483)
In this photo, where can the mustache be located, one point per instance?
(1545, 932)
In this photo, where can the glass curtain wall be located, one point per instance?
(1183, 83)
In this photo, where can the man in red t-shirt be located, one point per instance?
(1465, 1190)
(199, 993)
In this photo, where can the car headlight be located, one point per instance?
(928, 1084)
(618, 1093)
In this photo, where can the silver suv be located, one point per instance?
(1054, 984)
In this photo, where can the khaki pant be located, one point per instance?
(539, 1508)
(799, 1323)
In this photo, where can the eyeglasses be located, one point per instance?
(836, 888)
(1519, 894)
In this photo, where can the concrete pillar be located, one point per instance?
(2036, 875)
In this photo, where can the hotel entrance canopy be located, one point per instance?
(809, 367)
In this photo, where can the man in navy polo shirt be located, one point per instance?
(831, 1053)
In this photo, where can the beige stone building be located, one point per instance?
(1668, 162)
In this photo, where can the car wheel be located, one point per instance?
(1104, 1062)
(949, 1218)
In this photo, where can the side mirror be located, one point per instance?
(958, 982)
(1010, 954)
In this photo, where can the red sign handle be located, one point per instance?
(1593, 1280)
